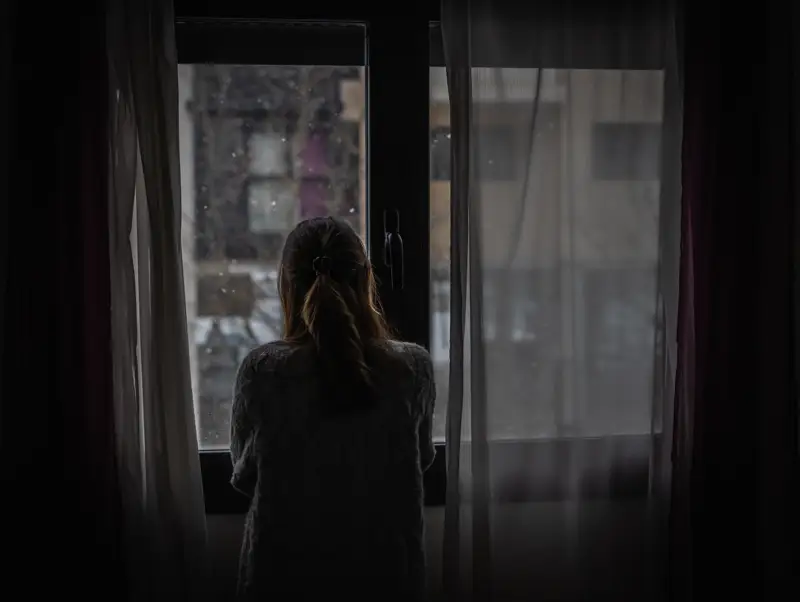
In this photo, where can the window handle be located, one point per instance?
(393, 255)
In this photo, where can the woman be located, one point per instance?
(331, 432)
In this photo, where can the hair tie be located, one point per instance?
(322, 265)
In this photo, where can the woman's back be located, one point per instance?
(336, 487)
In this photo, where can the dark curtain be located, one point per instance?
(59, 483)
(735, 507)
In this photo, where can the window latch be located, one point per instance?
(393, 255)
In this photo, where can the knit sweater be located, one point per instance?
(336, 498)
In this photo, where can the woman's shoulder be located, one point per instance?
(280, 358)
(270, 358)
(411, 355)
(408, 350)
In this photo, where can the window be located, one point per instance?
(271, 206)
(282, 121)
(626, 151)
(582, 315)
(277, 123)
(268, 154)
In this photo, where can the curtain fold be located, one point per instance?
(459, 82)
(58, 474)
(736, 485)
(565, 191)
(157, 441)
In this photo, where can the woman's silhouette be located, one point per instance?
(331, 432)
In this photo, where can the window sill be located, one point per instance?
(221, 498)
(614, 467)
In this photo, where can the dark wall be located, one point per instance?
(542, 551)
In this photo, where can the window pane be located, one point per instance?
(262, 147)
(567, 181)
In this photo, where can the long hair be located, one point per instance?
(329, 300)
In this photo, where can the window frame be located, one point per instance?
(398, 113)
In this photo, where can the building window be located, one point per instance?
(271, 206)
(268, 153)
(621, 326)
(440, 154)
(274, 128)
(626, 151)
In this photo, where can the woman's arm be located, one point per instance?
(243, 428)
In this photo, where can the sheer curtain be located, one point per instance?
(157, 442)
(565, 121)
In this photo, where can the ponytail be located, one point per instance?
(330, 306)
(333, 328)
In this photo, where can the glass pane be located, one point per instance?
(568, 184)
(261, 147)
